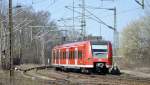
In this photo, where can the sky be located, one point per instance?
(127, 11)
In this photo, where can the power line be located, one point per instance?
(97, 20)
(38, 2)
(83, 21)
(123, 12)
(10, 42)
(140, 3)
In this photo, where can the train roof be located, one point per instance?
(81, 43)
(100, 42)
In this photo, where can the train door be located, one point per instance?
(76, 56)
(61, 56)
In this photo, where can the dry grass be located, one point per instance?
(19, 79)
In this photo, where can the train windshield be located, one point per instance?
(99, 51)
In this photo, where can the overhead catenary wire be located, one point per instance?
(98, 20)
(123, 12)
(41, 2)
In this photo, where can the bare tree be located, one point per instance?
(135, 40)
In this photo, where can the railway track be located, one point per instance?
(113, 79)
(92, 79)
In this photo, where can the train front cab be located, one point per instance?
(102, 56)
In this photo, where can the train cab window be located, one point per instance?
(100, 51)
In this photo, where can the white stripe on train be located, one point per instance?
(76, 66)
(72, 66)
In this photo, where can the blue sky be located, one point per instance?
(127, 11)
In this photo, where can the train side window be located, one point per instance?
(53, 55)
(57, 57)
(64, 55)
(73, 54)
(69, 54)
(60, 54)
(79, 54)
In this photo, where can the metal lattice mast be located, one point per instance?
(10, 42)
(0, 30)
(83, 22)
(115, 33)
(73, 22)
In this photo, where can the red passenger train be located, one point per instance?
(86, 56)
